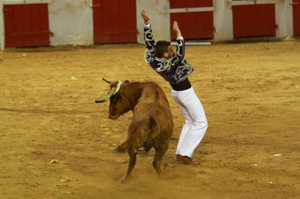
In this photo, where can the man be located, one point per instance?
(175, 69)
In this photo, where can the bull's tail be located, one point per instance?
(163, 124)
(154, 128)
(152, 125)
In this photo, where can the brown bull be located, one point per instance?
(151, 124)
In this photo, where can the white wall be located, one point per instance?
(160, 21)
(223, 21)
(159, 12)
(223, 18)
(284, 19)
(71, 21)
(1, 27)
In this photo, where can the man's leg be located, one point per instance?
(193, 111)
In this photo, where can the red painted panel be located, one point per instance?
(25, 36)
(8, 26)
(296, 16)
(114, 21)
(254, 20)
(39, 15)
(190, 3)
(34, 15)
(193, 25)
(26, 25)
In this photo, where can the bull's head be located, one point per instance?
(119, 103)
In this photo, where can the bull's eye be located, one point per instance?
(120, 95)
(114, 100)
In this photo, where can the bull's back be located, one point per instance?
(152, 93)
(153, 104)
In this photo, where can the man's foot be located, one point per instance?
(186, 160)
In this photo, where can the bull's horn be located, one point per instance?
(112, 92)
(107, 96)
(118, 87)
(105, 80)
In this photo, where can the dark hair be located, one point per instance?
(161, 47)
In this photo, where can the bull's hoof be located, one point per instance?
(119, 149)
(122, 181)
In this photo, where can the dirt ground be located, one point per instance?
(56, 143)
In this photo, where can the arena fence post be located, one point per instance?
(1, 26)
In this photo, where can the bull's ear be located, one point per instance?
(126, 81)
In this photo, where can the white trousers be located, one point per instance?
(195, 121)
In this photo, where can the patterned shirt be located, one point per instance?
(175, 69)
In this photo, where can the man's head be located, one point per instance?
(163, 49)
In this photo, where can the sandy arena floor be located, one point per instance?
(56, 143)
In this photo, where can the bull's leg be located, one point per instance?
(159, 153)
(132, 155)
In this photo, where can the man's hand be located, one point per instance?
(145, 17)
(176, 29)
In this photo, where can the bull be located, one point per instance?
(152, 122)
